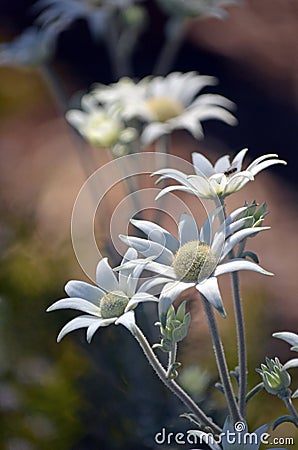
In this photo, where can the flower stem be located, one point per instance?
(241, 340)
(172, 359)
(173, 41)
(205, 421)
(291, 408)
(221, 361)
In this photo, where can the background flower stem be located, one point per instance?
(241, 339)
(175, 29)
(291, 408)
(171, 384)
(221, 361)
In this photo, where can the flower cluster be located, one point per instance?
(155, 105)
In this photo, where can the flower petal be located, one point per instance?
(149, 248)
(105, 276)
(202, 165)
(222, 164)
(206, 230)
(153, 283)
(75, 303)
(290, 338)
(210, 290)
(237, 161)
(291, 363)
(127, 320)
(140, 297)
(157, 233)
(130, 254)
(75, 324)
(100, 323)
(168, 295)
(239, 264)
(187, 229)
(238, 237)
(174, 188)
(81, 289)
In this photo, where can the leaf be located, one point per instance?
(251, 255)
(254, 391)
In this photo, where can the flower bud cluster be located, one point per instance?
(275, 378)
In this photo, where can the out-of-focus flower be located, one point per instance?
(31, 48)
(100, 126)
(195, 259)
(109, 303)
(292, 339)
(275, 377)
(168, 103)
(60, 14)
(220, 180)
(197, 8)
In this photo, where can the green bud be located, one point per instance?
(275, 378)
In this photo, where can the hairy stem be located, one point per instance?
(241, 339)
(291, 408)
(172, 359)
(171, 384)
(221, 361)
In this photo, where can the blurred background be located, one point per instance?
(104, 396)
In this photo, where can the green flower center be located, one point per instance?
(194, 261)
(113, 304)
(164, 108)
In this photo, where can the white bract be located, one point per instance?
(164, 104)
(220, 180)
(98, 125)
(111, 302)
(196, 258)
(292, 339)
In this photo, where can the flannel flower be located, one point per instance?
(164, 104)
(99, 126)
(60, 14)
(111, 302)
(218, 181)
(196, 258)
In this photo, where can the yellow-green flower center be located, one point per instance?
(194, 261)
(102, 130)
(113, 304)
(164, 108)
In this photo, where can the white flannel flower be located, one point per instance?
(168, 103)
(220, 180)
(98, 125)
(111, 302)
(60, 14)
(197, 8)
(31, 48)
(196, 258)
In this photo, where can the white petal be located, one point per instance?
(206, 230)
(80, 289)
(187, 229)
(153, 131)
(291, 363)
(140, 297)
(149, 248)
(175, 174)
(239, 264)
(257, 161)
(290, 338)
(201, 186)
(133, 280)
(100, 323)
(153, 283)
(105, 276)
(76, 118)
(265, 164)
(157, 233)
(202, 165)
(127, 320)
(238, 237)
(222, 164)
(130, 254)
(75, 324)
(168, 295)
(237, 161)
(75, 303)
(174, 188)
(209, 289)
